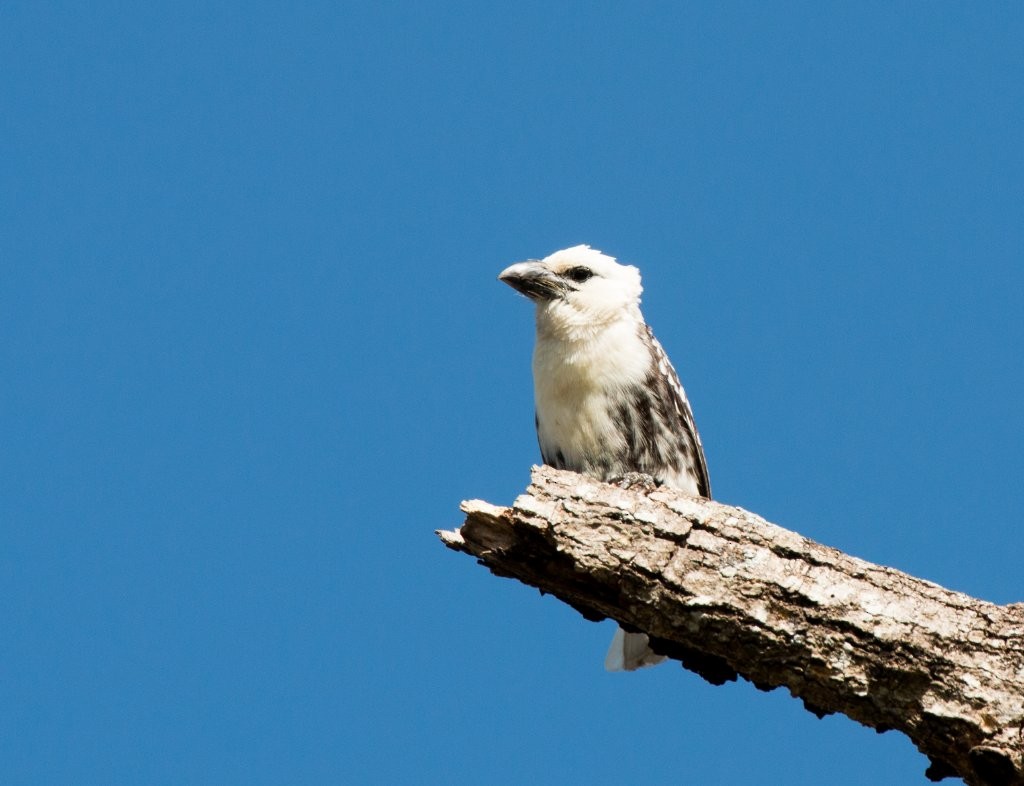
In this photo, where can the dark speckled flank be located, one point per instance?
(657, 440)
(656, 423)
(681, 448)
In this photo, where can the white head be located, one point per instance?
(578, 290)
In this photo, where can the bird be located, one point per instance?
(608, 400)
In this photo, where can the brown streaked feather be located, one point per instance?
(664, 374)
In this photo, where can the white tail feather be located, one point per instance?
(629, 652)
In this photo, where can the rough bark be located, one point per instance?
(727, 593)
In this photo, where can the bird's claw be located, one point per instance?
(638, 481)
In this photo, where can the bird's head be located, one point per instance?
(578, 287)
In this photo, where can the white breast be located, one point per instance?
(579, 384)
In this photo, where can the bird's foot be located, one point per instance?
(635, 481)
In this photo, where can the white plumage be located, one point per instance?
(608, 400)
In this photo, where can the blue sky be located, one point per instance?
(254, 353)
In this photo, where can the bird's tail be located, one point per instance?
(629, 652)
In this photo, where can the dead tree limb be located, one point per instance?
(727, 594)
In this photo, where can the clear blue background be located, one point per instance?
(254, 354)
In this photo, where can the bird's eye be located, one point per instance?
(579, 274)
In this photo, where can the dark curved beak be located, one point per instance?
(533, 280)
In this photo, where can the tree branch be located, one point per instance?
(727, 594)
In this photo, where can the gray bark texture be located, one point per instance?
(729, 594)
